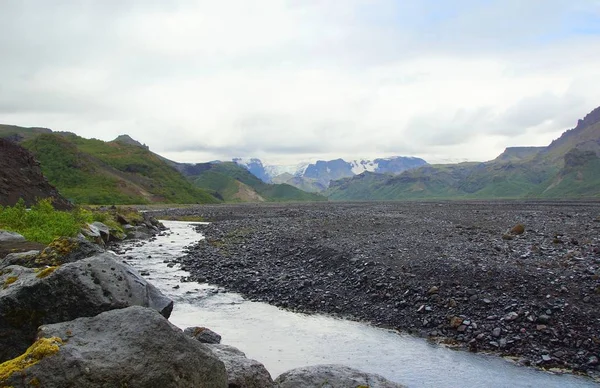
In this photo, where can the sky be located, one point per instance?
(301, 80)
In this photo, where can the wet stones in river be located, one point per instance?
(133, 347)
(32, 297)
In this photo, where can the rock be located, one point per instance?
(133, 347)
(103, 229)
(203, 335)
(543, 318)
(14, 258)
(546, 357)
(327, 376)
(455, 322)
(242, 372)
(518, 229)
(511, 316)
(6, 236)
(30, 298)
(93, 233)
(433, 290)
(121, 219)
(496, 332)
(60, 251)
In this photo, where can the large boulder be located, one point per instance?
(331, 376)
(133, 347)
(242, 372)
(32, 297)
(60, 251)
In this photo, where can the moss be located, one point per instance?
(53, 254)
(10, 280)
(41, 348)
(62, 246)
(46, 271)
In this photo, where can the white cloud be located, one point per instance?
(289, 81)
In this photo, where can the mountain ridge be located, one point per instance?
(568, 167)
(316, 176)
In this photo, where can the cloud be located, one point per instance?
(288, 80)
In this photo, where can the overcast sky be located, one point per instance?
(288, 81)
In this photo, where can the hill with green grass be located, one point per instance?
(233, 183)
(91, 171)
(567, 168)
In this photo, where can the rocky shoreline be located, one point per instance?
(519, 279)
(74, 314)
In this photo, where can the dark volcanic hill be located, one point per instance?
(21, 177)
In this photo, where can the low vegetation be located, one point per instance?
(90, 171)
(42, 223)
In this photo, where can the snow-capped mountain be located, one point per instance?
(255, 166)
(316, 176)
(292, 169)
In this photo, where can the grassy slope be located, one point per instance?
(223, 177)
(96, 172)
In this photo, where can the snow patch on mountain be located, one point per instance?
(358, 167)
(292, 169)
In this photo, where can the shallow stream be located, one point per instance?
(283, 340)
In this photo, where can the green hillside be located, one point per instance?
(234, 183)
(95, 172)
(567, 168)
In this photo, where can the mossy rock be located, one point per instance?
(41, 348)
(60, 251)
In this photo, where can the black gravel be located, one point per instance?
(451, 271)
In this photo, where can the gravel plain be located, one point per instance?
(518, 279)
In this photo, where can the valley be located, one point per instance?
(518, 279)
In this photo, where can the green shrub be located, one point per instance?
(42, 223)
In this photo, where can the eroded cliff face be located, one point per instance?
(21, 177)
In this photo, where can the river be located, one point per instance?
(284, 340)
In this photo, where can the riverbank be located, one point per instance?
(453, 272)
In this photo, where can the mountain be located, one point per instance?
(255, 166)
(567, 168)
(315, 177)
(92, 171)
(232, 182)
(21, 178)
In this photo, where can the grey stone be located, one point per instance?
(543, 318)
(6, 236)
(546, 357)
(81, 289)
(496, 332)
(133, 347)
(16, 257)
(331, 376)
(203, 335)
(103, 230)
(242, 372)
(60, 251)
(511, 316)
